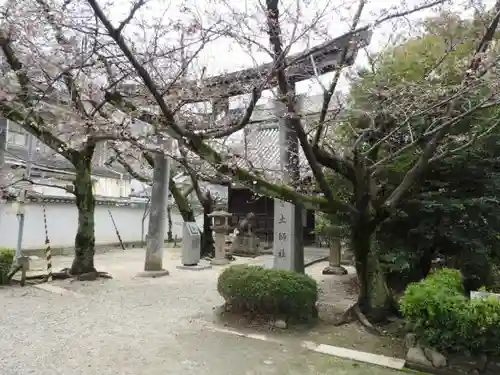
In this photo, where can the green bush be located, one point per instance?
(442, 317)
(6, 259)
(261, 291)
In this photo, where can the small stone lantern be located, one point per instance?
(220, 226)
(334, 267)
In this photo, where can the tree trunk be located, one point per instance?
(207, 238)
(374, 298)
(169, 223)
(182, 202)
(85, 203)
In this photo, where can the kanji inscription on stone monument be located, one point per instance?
(284, 226)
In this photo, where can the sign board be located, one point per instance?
(284, 235)
(475, 294)
(191, 244)
(193, 228)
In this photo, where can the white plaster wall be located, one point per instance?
(103, 186)
(111, 187)
(62, 224)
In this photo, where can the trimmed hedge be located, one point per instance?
(262, 291)
(438, 312)
(6, 260)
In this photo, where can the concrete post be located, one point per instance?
(21, 201)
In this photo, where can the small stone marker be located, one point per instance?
(191, 248)
(191, 244)
(284, 235)
(476, 294)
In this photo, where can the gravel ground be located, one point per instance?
(139, 326)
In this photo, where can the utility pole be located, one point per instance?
(155, 240)
(21, 200)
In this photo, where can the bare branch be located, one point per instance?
(327, 94)
(286, 96)
(129, 18)
(170, 124)
(407, 12)
(65, 188)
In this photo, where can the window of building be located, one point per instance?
(16, 135)
(18, 139)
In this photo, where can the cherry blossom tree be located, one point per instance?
(360, 164)
(53, 88)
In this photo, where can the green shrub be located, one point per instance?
(442, 317)
(261, 291)
(6, 259)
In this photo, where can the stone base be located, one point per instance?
(153, 274)
(246, 254)
(23, 262)
(334, 270)
(219, 262)
(196, 267)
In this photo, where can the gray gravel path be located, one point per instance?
(139, 326)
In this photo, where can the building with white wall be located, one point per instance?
(50, 168)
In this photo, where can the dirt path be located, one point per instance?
(137, 326)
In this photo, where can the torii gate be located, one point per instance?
(302, 66)
(318, 60)
(324, 58)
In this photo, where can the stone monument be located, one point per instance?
(191, 247)
(220, 226)
(284, 233)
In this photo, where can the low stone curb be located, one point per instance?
(336, 351)
(358, 356)
(57, 290)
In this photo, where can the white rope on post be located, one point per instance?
(48, 251)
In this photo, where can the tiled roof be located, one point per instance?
(16, 154)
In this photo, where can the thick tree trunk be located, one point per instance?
(207, 239)
(169, 223)
(85, 203)
(374, 298)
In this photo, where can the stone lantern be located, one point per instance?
(334, 242)
(220, 226)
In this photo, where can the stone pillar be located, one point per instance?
(220, 227)
(156, 231)
(334, 241)
(288, 242)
